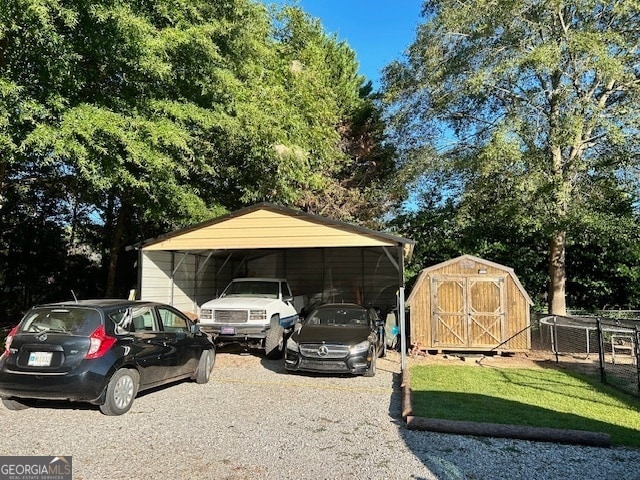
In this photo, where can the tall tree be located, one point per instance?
(342, 141)
(533, 99)
(120, 120)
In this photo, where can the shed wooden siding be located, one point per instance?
(265, 228)
(475, 311)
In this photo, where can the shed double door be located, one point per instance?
(467, 312)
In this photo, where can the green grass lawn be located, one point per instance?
(533, 397)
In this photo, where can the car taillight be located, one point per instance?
(9, 339)
(100, 343)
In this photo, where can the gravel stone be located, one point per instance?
(255, 421)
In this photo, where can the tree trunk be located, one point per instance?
(116, 246)
(557, 274)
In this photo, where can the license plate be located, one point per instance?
(40, 359)
(228, 331)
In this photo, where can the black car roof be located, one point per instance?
(340, 305)
(99, 303)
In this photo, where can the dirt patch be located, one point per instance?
(237, 356)
(532, 359)
(586, 365)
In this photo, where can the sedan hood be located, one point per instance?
(333, 334)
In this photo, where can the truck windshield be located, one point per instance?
(252, 289)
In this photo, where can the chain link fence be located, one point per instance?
(607, 346)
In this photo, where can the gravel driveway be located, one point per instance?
(253, 420)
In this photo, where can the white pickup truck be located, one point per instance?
(255, 312)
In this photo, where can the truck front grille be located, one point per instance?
(230, 316)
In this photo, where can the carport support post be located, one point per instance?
(403, 336)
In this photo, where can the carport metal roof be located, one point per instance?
(266, 225)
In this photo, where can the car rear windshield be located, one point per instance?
(76, 320)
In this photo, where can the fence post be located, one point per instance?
(603, 374)
(637, 353)
(554, 337)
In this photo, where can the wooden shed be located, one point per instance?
(469, 303)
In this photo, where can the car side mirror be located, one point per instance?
(287, 299)
(195, 328)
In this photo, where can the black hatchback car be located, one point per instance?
(100, 351)
(337, 338)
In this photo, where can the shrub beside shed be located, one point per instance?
(469, 304)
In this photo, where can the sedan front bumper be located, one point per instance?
(353, 364)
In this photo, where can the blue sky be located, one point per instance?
(377, 30)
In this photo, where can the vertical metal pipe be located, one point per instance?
(637, 352)
(173, 275)
(603, 374)
(403, 335)
(401, 308)
(139, 287)
(554, 337)
(323, 268)
(361, 282)
(196, 269)
(588, 342)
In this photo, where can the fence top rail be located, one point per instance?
(571, 322)
(591, 323)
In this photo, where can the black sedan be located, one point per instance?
(338, 338)
(100, 351)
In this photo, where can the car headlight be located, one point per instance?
(206, 314)
(292, 345)
(257, 314)
(361, 347)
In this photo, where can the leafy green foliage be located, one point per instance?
(122, 120)
(526, 104)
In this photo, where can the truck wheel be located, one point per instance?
(383, 350)
(14, 404)
(274, 343)
(371, 371)
(207, 359)
(121, 391)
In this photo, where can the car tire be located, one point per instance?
(207, 360)
(274, 343)
(121, 392)
(371, 371)
(14, 404)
